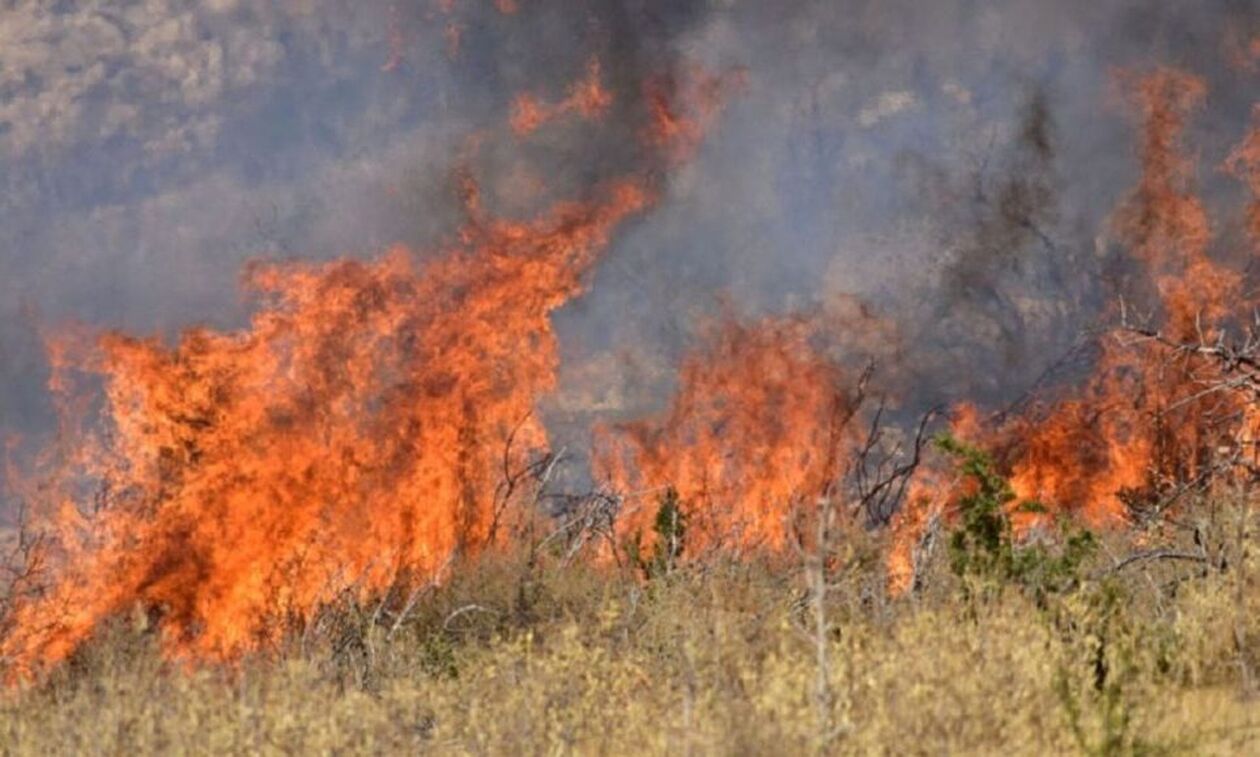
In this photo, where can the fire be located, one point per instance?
(587, 98)
(1242, 53)
(1138, 424)
(684, 106)
(397, 43)
(759, 423)
(1165, 223)
(932, 497)
(1142, 424)
(354, 433)
(1244, 164)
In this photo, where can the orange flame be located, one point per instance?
(683, 108)
(354, 435)
(587, 98)
(755, 432)
(1138, 422)
(1164, 222)
(1142, 423)
(351, 434)
(1244, 164)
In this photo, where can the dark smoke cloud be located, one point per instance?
(952, 163)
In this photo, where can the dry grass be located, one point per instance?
(711, 659)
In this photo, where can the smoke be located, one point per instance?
(152, 148)
(953, 165)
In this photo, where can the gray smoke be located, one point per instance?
(951, 163)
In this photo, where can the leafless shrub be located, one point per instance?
(867, 485)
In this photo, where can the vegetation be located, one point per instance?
(1101, 645)
(983, 546)
(670, 526)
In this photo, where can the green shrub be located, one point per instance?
(984, 548)
(670, 526)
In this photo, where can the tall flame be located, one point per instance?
(1138, 422)
(357, 431)
(1165, 223)
(1143, 423)
(354, 435)
(353, 432)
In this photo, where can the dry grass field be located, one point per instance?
(522, 653)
